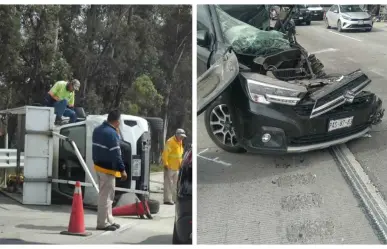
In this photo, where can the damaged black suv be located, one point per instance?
(261, 91)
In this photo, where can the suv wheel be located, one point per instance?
(219, 127)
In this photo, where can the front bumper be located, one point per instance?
(293, 131)
(317, 15)
(304, 17)
(355, 24)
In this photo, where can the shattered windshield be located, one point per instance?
(249, 40)
(350, 8)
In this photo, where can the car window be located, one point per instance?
(333, 8)
(78, 135)
(350, 8)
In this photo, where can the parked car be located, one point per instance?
(182, 231)
(316, 12)
(301, 15)
(348, 17)
(261, 93)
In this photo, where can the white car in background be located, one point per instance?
(348, 17)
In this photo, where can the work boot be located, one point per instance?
(58, 121)
(116, 225)
(108, 228)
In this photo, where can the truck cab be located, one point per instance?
(135, 145)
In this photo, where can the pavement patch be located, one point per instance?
(301, 201)
(295, 179)
(307, 231)
(284, 163)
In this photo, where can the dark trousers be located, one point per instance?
(60, 108)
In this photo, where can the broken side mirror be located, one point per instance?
(203, 38)
(212, 83)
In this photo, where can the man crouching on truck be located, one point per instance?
(62, 97)
(108, 164)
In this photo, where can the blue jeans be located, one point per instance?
(62, 110)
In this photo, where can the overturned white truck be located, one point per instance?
(53, 157)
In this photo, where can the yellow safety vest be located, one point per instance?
(173, 153)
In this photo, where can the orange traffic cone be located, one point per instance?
(77, 218)
(138, 209)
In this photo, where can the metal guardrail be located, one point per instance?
(8, 158)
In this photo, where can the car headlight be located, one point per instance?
(346, 17)
(263, 91)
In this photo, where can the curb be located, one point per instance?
(363, 188)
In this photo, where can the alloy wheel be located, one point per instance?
(221, 125)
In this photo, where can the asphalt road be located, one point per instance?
(350, 51)
(245, 198)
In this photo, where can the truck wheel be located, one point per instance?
(219, 127)
(157, 124)
(154, 206)
(308, 22)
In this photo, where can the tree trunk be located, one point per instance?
(169, 94)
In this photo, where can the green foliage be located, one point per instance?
(146, 96)
(124, 56)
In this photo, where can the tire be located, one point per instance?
(175, 239)
(215, 111)
(327, 23)
(339, 26)
(154, 206)
(308, 22)
(157, 124)
(368, 30)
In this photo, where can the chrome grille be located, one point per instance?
(344, 91)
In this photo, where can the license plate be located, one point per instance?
(136, 167)
(301, 18)
(340, 123)
(360, 22)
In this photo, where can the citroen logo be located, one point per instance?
(349, 96)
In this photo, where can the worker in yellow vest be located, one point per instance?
(172, 157)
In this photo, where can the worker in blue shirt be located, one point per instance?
(108, 165)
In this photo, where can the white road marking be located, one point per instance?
(202, 151)
(215, 160)
(325, 50)
(376, 72)
(351, 59)
(345, 36)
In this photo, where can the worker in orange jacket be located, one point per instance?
(172, 158)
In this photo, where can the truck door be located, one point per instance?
(69, 167)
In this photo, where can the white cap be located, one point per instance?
(180, 132)
(76, 84)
